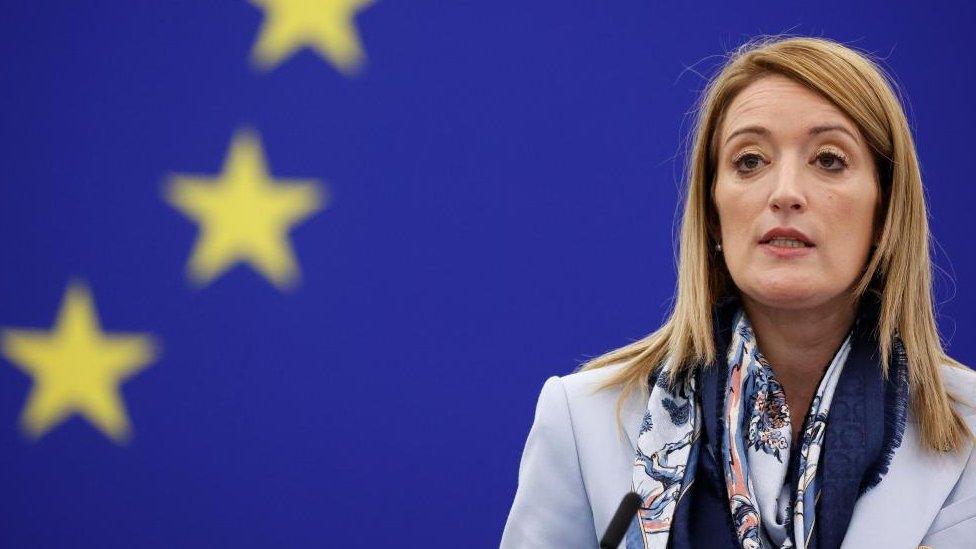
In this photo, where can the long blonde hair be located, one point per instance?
(899, 268)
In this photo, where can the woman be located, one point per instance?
(798, 395)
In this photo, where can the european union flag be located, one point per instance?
(290, 273)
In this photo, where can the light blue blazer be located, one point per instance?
(576, 467)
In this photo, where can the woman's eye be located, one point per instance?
(831, 162)
(748, 163)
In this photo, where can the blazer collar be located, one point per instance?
(632, 414)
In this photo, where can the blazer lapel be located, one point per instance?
(898, 511)
(632, 414)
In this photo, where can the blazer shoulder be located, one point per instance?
(587, 391)
(593, 407)
(960, 382)
(590, 380)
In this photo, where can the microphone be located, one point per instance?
(621, 520)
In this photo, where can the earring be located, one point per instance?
(718, 247)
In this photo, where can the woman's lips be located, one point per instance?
(783, 252)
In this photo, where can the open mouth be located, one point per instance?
(782, 242)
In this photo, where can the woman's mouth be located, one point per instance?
(786, 248)
(781, 242)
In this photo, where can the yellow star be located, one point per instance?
(76, 368)
(325, 25)
(244, 215)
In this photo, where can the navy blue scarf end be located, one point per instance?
(895, 417)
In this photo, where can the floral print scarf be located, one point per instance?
(766, 512)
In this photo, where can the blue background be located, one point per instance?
(504, 179)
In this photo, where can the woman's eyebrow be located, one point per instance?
(761, 130)
(834, 127)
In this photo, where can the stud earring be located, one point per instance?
(718, 247)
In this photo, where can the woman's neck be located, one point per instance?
(799, 345)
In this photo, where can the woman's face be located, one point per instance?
(796, 195)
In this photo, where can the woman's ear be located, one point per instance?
(716, 237)
(715, 232)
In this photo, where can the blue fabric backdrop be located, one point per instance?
(488, 194)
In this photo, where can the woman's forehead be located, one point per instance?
(780, 107)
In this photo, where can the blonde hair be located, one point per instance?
(899, 269)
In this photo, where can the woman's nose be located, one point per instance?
(787, 193)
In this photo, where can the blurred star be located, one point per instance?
(244, 215)
(77, 368)
(323, 25)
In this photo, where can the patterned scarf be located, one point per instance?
(755, 448)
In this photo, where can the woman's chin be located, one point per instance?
(786, 294)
